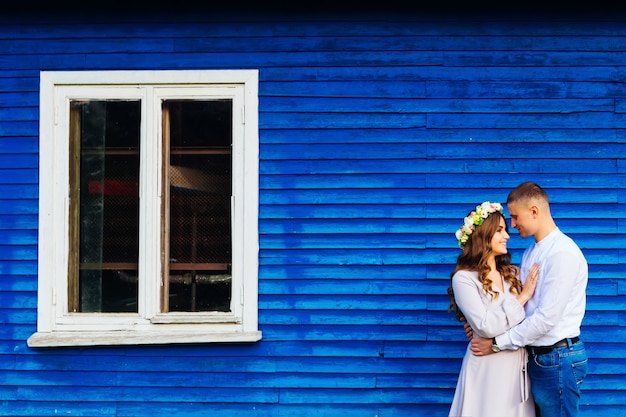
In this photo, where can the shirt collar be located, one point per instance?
(551, 236)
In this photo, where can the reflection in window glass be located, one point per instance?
(198, 138)
(104, 206)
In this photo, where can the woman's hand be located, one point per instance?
(529, 285)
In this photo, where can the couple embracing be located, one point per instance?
(525, 357)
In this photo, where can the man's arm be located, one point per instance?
(548, 305)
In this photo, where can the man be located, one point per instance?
(557, 361)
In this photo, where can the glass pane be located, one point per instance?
(105, 199)
(199, 134)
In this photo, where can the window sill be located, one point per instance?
(92, 338)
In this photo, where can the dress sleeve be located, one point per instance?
(487, 317)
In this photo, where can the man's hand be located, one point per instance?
(469, 332)
(481, 346)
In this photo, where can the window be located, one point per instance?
(148, 208)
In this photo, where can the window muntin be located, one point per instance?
(176, 112)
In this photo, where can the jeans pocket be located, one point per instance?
(579, 369)
(546, 361)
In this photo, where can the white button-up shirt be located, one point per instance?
(557, 307)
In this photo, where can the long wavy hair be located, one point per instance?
(474, 257)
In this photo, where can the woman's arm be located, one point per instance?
(487, 319)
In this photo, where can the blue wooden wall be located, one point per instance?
(377, 134)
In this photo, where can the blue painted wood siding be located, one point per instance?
(377, 135)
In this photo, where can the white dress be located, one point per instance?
(494, 385)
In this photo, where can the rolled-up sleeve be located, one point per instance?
(487, 317)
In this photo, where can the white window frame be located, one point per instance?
(56, 326)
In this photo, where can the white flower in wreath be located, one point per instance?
(475, 218)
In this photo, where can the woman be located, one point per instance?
(485, 291)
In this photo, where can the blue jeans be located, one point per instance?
(555, 379)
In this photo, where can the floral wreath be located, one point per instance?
(476, 218)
